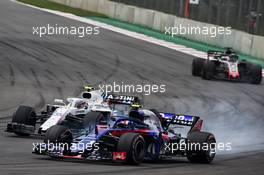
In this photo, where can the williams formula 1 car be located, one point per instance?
(226, 66)
(142, 134)
(25, 121)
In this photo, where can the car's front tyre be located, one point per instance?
(24, 115)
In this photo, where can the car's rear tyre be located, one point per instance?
(255, 74)
(202, 147)
(197, 66)
(208, 70)
(24, 115)
(134, 145)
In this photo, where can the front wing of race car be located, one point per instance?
(20, 128)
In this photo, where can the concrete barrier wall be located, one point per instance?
(258, 47)
(240, 41)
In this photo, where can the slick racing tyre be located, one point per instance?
(134, 145)
(201, 148)
(91, 119)
(24, 115)
(58, 134)
(197, 66)
(208, 70)
(255, 74)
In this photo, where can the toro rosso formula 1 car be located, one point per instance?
(26, 121)
(142, 134)
(227, 66)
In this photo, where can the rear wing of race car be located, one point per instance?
(214, 53)
(122, 99)
(186, 120)
(227, 51)
(179, 119)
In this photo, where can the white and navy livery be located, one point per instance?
(26, 121)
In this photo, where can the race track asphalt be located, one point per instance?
(34, 71)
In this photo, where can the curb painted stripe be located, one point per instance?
(176, 47)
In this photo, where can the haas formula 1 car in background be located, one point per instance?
(226, 66)
(25, 121)
(142, 134)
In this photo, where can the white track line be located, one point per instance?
(177, 47)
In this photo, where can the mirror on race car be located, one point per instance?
(59, 101)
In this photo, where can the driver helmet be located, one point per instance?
(233, 57)
(229, 51)
(137, 114)
(81, 104)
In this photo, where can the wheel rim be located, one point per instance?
(139, 150)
